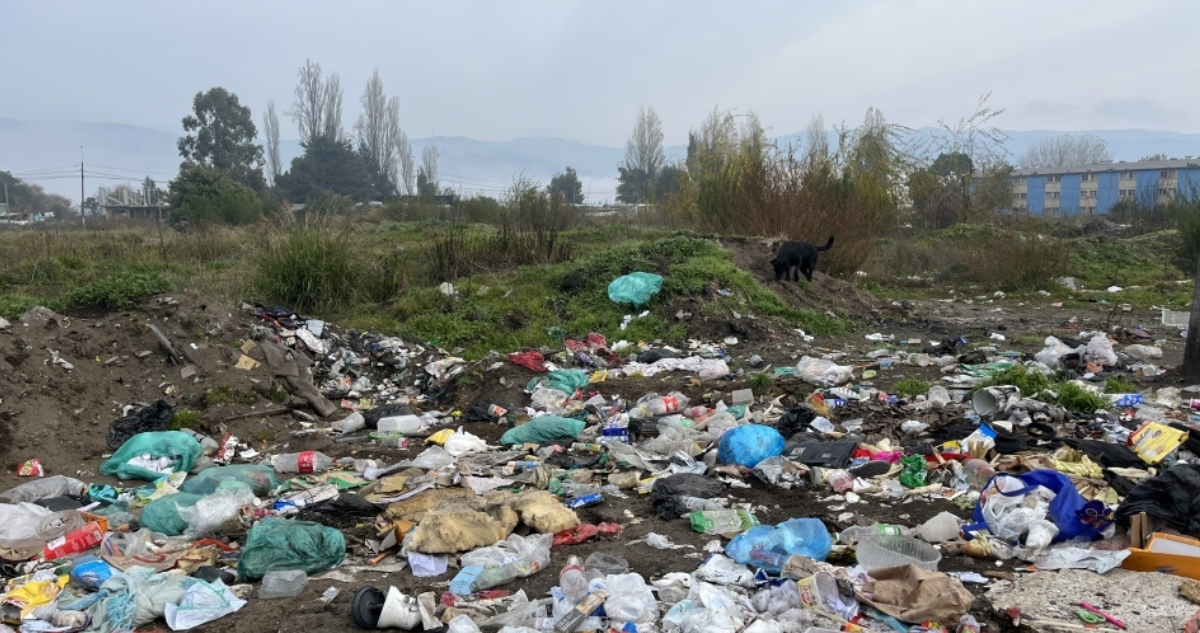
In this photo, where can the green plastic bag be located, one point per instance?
(634, 288)
(278, 544)
(261, 479)
(542, 429)
(179, 450)
(162, 514)
(566, 380)
(915, 470)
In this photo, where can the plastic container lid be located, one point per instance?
(877, 551)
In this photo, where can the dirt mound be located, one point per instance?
(824, 293)
(59, 410)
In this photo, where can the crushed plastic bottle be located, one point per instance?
(573, 581)
(306, 462)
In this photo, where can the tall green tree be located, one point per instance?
(327, 165)
(220, 135)
(644, 157)
(203, 195)
(566, 186)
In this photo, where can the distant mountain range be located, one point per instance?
(46, 152)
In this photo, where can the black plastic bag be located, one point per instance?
(666, 494)
(373, 416)
(1173, 496)
(795, 420)
(155, 417)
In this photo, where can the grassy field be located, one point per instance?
(1026, 263)
(387, 276)
(516, 289)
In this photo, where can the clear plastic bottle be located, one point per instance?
(696, 504)
(573, 581)
(673, 402)
(306, 462)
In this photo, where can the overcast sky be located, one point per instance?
(499, 70)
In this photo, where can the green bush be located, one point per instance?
(117, 292)
(1187, 218)
(203, 196)
(912, 387)
(1076, 399)
(1030, 383)
(760, 384)
(311, 269)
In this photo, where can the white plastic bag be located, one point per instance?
(1144, 352)
(630, 599)
(1009, 516)
(1054, 349)
(1100, 349)
(1041, 534)
(203, 602)
(211, 512)
(462, 624)
(462, 443)
(823, 373)
(18, 525)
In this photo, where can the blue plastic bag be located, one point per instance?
(1064, 509)
(634, 288)
(767, 547)
(747, 445)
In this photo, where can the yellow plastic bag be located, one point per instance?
(440, 437)
(36, 593)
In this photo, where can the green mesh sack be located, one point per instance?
(261, 479)
(175, 451)
(278, 544)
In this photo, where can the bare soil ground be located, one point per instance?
(61, 416)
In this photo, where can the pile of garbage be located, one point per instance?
(189, 524)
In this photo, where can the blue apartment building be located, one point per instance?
(1094, 189)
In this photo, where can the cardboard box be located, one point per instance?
(1178, 555)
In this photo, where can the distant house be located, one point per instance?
(1095, 189)
(132, 211)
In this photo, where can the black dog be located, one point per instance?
(796, 256)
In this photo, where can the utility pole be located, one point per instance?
(82, 200)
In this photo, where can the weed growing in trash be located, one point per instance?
(1076, 399)
(274, 393)
(224, 394)
(1114, 384)
(912, 387)
(1030, 383)
(184, 419)
(761, 384)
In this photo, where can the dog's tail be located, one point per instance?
(828, 245)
